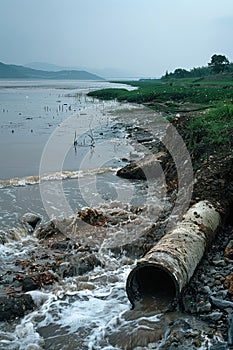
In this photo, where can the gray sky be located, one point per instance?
(147, 37)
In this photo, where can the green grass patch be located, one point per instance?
(173, 91)
(209, 133)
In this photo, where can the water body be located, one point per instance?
(31, 112)
(54, 139)
(59, 152)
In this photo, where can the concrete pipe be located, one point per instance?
(163, 272)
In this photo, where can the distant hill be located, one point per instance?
(11, 71)
(106, 73)
(51, 67)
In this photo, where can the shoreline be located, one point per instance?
(204, 299)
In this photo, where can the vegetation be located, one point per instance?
(208, 133)
(218, 64)
(174, 95)
(200, 107)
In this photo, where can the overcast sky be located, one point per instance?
(146, 37)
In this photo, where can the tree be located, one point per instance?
(181, 73)
(219, 63)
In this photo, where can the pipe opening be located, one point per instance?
(152, 284)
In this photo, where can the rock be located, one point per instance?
(219, 346)
(3, 239)
(13, 234)
(220, 263)
(29, 284)
(221, 304)
(144, 169)
(142, 135)
(229, 250)
(15, 306)
(212, 317)
(60, 245)
(87, 264)
(31, 219)
(229, 283)
(230, 329)
(206, 290)
(78, 264)
(47, 230)
(204, 307)
(93, 217)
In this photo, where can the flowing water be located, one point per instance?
(60, 151)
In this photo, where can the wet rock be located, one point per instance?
(93, 217)
(15, 306)
(184, 335)
(221, 304)
(212, 317)
(30, 219)
(144, 169)
(206, 290)
(39, 278)
(78, 265)
(28, 284)
(3, 239)
(230, 329)
(219, 346)
(141, 135)
(60, 245)
(204, 307)
(220, 263)
(87, 264)
(48, 229)
(13, 234)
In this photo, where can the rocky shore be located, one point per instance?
(69, 247)
(209, 295)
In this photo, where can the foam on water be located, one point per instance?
(73, 310)
(32, 180)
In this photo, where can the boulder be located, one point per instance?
(15, 306)
(30, 219)
(144, 169)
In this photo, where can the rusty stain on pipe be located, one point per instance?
(166, 269)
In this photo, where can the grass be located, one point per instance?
(208, 133)
(204, 104)
(174, 94)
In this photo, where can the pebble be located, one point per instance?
(221, 304)
(220, 263)
(219, 346)
(206, 290)
(214, 316)
(204, 307)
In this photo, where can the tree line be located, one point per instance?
(218, 64)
